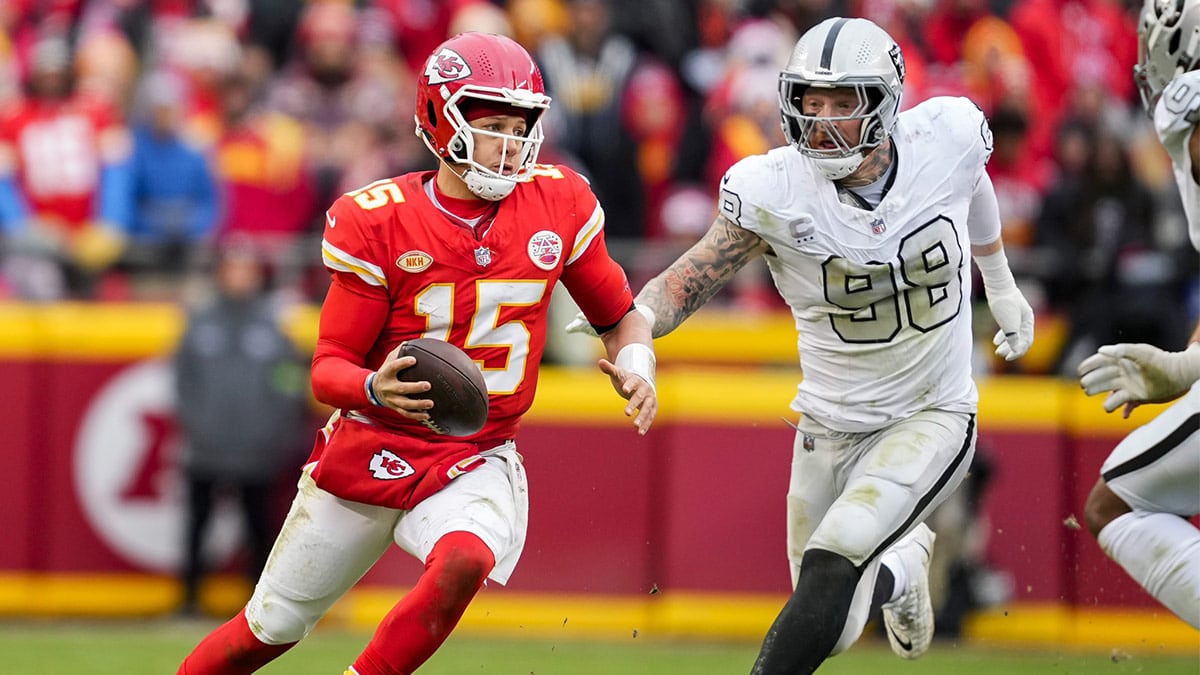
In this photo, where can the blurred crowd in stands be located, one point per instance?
(138, 136)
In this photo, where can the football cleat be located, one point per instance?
(909, 618)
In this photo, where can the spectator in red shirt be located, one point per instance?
(65, 190)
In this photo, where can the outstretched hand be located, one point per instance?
(1133, 374)
(639, 392)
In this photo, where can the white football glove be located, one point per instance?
(1015, 317)
(580, 323)
(1139, 373)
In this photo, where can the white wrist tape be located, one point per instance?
(638, 359)
(995, 272)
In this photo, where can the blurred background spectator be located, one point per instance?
(345, 89)
(240, 387)
(267, 194)
(1104, 260)
(65, 198)
(588, 73)
(174, 187)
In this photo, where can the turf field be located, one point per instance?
(155, 648)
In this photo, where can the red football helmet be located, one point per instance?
(471, 68)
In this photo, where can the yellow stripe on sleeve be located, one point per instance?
(339, 260)
(591, 230)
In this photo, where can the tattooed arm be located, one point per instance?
(698, 274)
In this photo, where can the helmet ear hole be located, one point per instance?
(457, 145)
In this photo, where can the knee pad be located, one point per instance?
(463, 553)
(275, 618)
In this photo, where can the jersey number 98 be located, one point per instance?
(877, 305)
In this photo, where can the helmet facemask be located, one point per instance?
(484, 181)
(800, 129)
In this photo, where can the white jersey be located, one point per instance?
(1175, 115)
(881, 298)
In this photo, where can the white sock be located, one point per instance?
(1161, 551)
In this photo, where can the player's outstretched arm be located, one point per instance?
(631, 366)
(671, 297)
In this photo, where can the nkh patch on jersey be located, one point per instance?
(414, 261)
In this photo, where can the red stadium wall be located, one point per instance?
(696, 505)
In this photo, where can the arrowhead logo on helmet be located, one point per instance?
(446, 66)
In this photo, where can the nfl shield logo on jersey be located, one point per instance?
(878, 226)
(545, 248)
(483, 256)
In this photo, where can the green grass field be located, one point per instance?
(156, 647)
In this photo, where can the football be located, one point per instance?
(459, 393)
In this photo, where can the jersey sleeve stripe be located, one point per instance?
(340, 261)
(590, 230)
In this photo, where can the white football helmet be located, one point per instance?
(849, 53)
(1168, 44)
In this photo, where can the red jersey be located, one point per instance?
(58, 149)
(485, 289)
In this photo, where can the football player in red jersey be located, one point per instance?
(469, 254)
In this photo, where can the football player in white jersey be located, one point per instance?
(865, 220)
(1152, 477)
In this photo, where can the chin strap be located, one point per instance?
(487, 187)
(839, 167)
